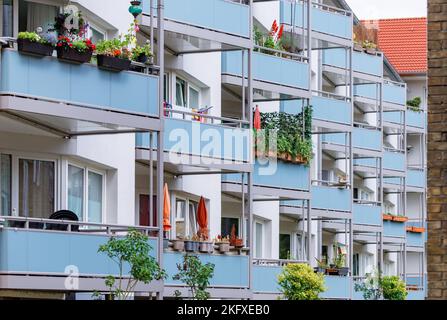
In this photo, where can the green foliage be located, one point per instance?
(370, 287)
(141, 50)
(132, 250)
(32, 36)
(415, 104)
(195, 275)
(266, 41)
(293, 136)
(300, 282)
(393, 288)
(113, 48)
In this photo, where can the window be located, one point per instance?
(356, 264)
(227, 224)
(258, 240)
(95, 35)
(85, 194)
(34, 15)
(7, 18)
(180, 92)
(5, 185)
(193, 98)
(284, 246)
(324, 254)
(185, 217)
(166, 88)
(36, 188)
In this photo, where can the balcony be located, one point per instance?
(229, 271)
(416, 119)
(332, 109)
(365, 214)
(47, 91)
(265, 279)
(368, 91)
(275, 178)
(394, 117)
(363, 64)
(369, 139)
(49, 255)
(394, 160)
(416, 178)
(331, 198)
(395, 93)
(219, 23)
(230, 141)
(394, 229)
(415, 239)
(287, 74)
(337, 288)
(326, 20)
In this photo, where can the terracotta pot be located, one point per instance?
(34, 48)
(238, 243)
(73, 56)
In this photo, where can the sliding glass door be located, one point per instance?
(5, 185)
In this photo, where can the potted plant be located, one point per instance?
(387, 217)
(178, 244)
(358, 47)
(223, 243)
(192, 244)
(321, 266)
(113, 55)
(34, 44)
(400, 219)
(371, 48)
(206, 246)
(141, 53)
(74, 51)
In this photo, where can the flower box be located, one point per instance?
(34, 48)
(400, 219)
(387, 217)
(416, 229)
(73, 56)
(113, 63)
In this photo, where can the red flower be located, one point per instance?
(281, 30)
(274, 27)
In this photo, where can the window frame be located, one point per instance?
(188, 86)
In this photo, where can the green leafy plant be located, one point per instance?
(415, 104)
(273, 40)
(370, 287)
(133, 251)
(393, 288)
(139, 51)
(113, 48)
(195, 275)
(32, 37)
(300, 282)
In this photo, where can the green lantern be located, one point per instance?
(135, 9)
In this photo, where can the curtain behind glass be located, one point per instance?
(76, 190)
(94, 197)
(36, 188)
(7, 18)
(193, 218)
(180, 93)
(40, 15)
(5, 185)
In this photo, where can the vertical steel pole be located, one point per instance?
(151, 181)
(309, 232)
(160, 142)
(244, 104)
(151, 12)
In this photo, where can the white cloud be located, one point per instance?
(382, 9)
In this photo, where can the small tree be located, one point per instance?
(393, 288)
(195, 275)
(300, 282)
(132, 250)
(370, 287)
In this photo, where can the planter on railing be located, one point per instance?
(34, 48)
(73, 56)
(178, 245)
(393, 218)
(191, 246)
(387, 217)
(112, 63)
(416, 229)
(342, 272)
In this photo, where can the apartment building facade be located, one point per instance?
(103, 144)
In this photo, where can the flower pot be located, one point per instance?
(238, 243)
(387, 217)
(206, 247)
(371, 51)
(191, 246)
(320, 270)
(333, 271)
(178, 245)
(34, 48)
(73, 56)
(344, 271)
(358, 47)
(142, 58)
(400, 219)
(224, 247)
(113, 63)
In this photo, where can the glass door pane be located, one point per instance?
(284, 246)
(258, 238)
(5, 185)
(193, 98)
(94, 197)
(7, 18)
(36, 188)
(180, 213)
(192, 217)
(76, 190)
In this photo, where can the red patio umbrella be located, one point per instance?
(202, 219)
(257, 119)
(166, 209)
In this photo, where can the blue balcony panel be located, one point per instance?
(48, 78)
(394, 229)
(331, 198)
(416, 295)
(268, 68)
(393, 117)
(369, 91)
(416, 119)
(265, 279)
(276, 174)
(332, 110)
(367, 162)
(52, 252)
(367, 63)
(395, 181)
(324, 21)
(415, 239)
(367, 214)
(394, 161)
(200, 139)
(291, 106)
(394, 93)
(229, 270)
(217, 15)
(337, 287)
(416, 178)
(367, 139)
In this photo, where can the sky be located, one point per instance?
(384, 9)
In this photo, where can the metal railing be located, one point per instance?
(275, 262)
(332, 9)
(331, 95)
(282, 54)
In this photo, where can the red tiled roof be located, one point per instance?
(404, 42)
